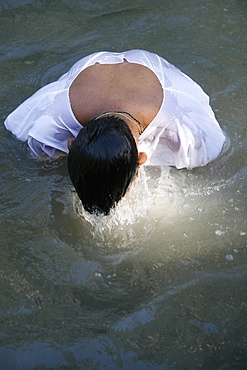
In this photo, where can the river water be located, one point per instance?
(160, 283)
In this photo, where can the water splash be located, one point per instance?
(134, 206)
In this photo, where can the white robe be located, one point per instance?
(184, 133)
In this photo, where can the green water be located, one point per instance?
(161, 283)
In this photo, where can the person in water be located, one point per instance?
(112, 112)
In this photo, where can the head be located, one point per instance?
(102, 163)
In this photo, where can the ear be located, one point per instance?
(69, 142)
(142, 157)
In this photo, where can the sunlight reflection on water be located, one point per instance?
(161, 282)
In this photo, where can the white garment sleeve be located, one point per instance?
(41, 150)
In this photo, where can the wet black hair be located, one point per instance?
(102, 163)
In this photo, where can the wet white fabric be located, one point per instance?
(185, 132)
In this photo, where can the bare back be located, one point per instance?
(124, 87)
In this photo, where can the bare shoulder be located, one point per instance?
(122, 86)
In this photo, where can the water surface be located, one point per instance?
(161, 283)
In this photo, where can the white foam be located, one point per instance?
(129, 210)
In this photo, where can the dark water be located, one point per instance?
(161, 283)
